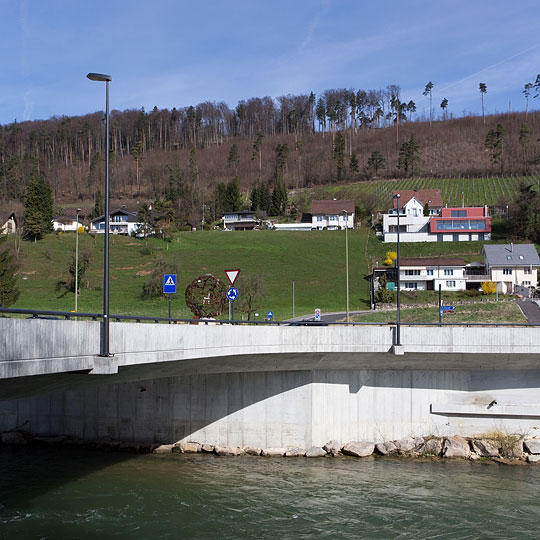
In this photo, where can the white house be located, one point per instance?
(427, 273)
(8, 223)
(244, 220)
(121, 221)
(66, 223)
(439, 225)
(332, 215)
(413, 224)
(511, 265)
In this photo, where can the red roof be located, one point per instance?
(332, 207)
(430, 196)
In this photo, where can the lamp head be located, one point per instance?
(99, 77)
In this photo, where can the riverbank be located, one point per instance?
(504, 448)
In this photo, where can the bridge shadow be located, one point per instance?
(173, 405)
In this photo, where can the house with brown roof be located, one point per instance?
(332, 215)
(8, 222)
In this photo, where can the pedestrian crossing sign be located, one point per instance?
(169, 284)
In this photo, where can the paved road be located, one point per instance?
(531, 310)
(327, 317)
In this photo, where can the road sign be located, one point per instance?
(232, 275)
(232, 294)
(169, 284)
(317, 314)
(447, 309)
(270, 315)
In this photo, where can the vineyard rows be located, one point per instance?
(473, 191)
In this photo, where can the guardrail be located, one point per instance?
(70, 315)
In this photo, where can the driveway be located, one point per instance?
(531, 310)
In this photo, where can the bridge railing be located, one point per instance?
(70, 315)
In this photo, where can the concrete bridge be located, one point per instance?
(266, 385)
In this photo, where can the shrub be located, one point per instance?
(489, 287)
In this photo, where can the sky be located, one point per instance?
(175, 53)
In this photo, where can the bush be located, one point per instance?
(153, 286)
(489, 287)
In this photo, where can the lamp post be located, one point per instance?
(398, 284)
(347, 256)
(105, 341)
(77, 260)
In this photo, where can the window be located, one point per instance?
(527, 271)
(412, 272)
(411, 285)
(430, 271)
(451, 284)
(448, 272)
(507, 271)
(332, 218)
(458, 213)
(319, 218)
(526, 283)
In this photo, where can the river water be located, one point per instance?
(48, 493)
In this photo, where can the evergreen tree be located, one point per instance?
(495, 143)
(233, 159)
(257, 149)
(428, 91)
(233, 197)
(409, 155)
(265, 198)
(255, 198)
(526, 221)
(99, 208)
(339, 155)
(9, 291)
(220, 196)
(483, 90)
(375, 162)
(38, 208)
(279, 200)
(353, 163)
(524, 139)
(444, 107)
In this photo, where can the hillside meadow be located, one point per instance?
(314, 260)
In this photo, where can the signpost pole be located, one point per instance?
(169, 309)
(293, 298)
(440, 306)
(232, 310)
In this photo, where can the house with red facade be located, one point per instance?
(422, 218)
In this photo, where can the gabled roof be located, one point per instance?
(432, 261)
(132, 216)
(511, 255)
(5, 215)
(422, 195)
(333, 207)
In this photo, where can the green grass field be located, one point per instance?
(315, 261)
(477, 191)
(493, 312)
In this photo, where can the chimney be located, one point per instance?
(511, 247)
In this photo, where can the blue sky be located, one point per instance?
(177, 53)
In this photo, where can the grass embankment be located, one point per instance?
(493, 312)
(314, 260)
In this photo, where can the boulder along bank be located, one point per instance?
(500, 447)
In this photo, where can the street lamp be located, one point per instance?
(398, 318)
(77, 259)
(347, 256)
(105, 342)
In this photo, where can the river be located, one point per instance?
(71, 493)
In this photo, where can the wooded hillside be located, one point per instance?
(296, 141)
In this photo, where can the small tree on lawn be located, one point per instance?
(251, 295)
(382, 294)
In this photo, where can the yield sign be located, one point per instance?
(232, 275)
